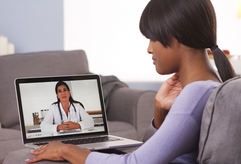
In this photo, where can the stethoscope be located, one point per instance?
(62, 121)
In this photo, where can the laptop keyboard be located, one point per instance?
(85, 140)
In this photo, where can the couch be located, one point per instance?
(129, 111)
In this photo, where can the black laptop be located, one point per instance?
(35, 96)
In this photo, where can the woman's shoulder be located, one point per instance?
(77, 104)
(194, 96)
(206, 83)
(200, 87)
(53, 108)
(53, 105)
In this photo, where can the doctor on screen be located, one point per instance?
(66, 113)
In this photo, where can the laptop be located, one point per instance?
(35, 97)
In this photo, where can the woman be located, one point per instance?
(179, 32)
(66, 113)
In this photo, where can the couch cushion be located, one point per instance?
(220, 129)
(34, 64)
(10, 140)
(16, 127)
(8, 134)
(20, 156)
(122, 129)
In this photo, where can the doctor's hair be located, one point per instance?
(71, 100)
(191, 22)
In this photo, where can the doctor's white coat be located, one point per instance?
(53, 118)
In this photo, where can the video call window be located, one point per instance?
(38, 97)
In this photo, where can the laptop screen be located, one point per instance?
(42, 107)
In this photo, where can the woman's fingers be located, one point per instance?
(34, 159)
(65, 126)
(70, 125)
(38, 153)
(40, 150)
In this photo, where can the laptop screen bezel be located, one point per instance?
(20, 81)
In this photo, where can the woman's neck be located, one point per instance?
(196, 67)
(65, 106)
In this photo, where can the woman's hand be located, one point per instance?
(51, 151)
(57, 151)
(164, 98)
(169, 90)
(68, 126)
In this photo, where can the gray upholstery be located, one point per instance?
(9, 140)
(131, 106)
(35, 64)
(220, 130)
(19, 157)
(129, 111)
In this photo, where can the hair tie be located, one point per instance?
(214, 48)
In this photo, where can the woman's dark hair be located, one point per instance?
(191, 22)
(71, 100)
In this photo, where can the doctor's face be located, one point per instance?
(63, 93)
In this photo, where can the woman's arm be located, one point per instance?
(167, 144)
(178, 135)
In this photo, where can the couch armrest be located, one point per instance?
(133, 106)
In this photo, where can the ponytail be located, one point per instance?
(222, 63)
(191, 22)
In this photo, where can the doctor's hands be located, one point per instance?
(164, 98)
(57, 151)
(68, 126)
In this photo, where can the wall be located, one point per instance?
(155, 86)
(109, 33)
(33, 25)
(42, 25)
(113, 42)
(228, 25)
